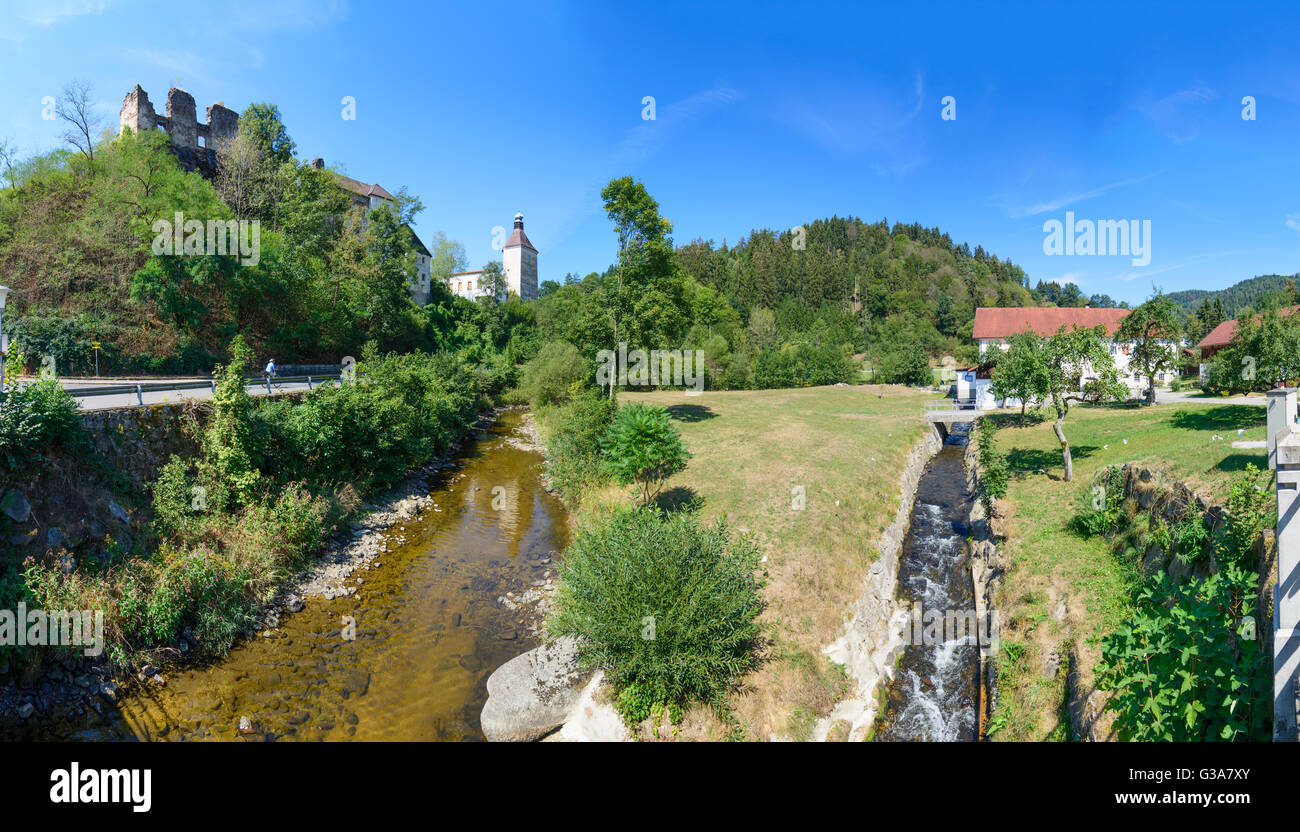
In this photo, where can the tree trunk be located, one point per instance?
(1151, 390)
(1059, 427)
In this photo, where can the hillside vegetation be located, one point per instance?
(78, 247)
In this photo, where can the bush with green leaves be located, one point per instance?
(994, 473)
(642, 448)
(905, 364)
(575, 432)
(548, 379)
(36, 418)
(667, 606)
(802, 364)
(1100, 506)
(404, 410)
(1188, 665)
(1189, 536)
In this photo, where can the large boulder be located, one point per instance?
(531, 695)
(14, 505)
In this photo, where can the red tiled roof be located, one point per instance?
(361, 188)
(518, 237)
(1226, 332)
(460, 274)
(1003, 322)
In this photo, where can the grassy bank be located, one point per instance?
(757, 456)
(1062, 589)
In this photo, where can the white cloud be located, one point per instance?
(867, 118)
(24, 15)
(640, 143)
(1193, 261)
(1293, 222)
(1070, 199)
(1179, 114)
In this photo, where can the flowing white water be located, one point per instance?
(933, 696)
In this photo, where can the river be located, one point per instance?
(934, 695)
(428, 627)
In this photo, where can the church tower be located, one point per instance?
(519, 262)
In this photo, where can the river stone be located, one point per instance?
(15, 505)
(531, 694)
(118, 512)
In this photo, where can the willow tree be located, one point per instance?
(1079, 369)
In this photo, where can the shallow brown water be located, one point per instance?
(429, 629)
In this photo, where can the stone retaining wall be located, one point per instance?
(869, 646)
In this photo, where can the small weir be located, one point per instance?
(934, 694)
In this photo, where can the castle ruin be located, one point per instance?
(195, 144)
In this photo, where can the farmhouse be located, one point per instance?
(994, 327)
(1223, 335)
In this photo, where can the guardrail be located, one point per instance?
(950, 407)
(209, 384)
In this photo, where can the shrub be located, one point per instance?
(993, 467)
(574, 461)
(643, 448)
(548, 378)
(1186, 666)
(802, 364)
(1101, 504)
(1189, 536)
(905, 364)
(174, 498)
(406, 409)
(666, 606)
(228, 450)
(37, 417)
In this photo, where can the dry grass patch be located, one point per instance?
(845, 447)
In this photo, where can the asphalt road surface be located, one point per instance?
(161, 396)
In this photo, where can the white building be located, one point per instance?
(518, 266)
(467, 284)
(994, 327)
(368, 198)
(519, 262)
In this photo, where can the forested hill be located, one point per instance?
(1252, 292)
(907, 281)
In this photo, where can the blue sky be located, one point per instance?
(766, 115)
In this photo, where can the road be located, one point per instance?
(160, 396)
(1169, 397)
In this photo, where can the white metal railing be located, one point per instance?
(947, 406)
